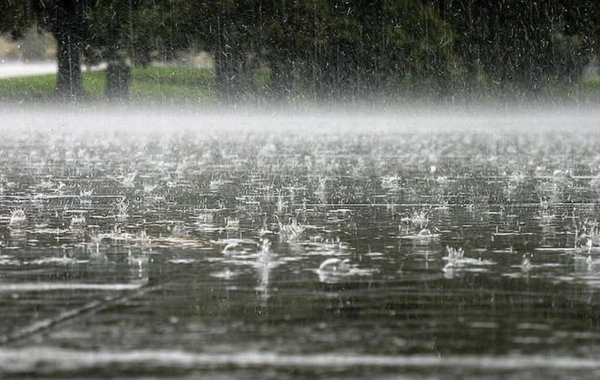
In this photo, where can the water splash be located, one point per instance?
(18, 218)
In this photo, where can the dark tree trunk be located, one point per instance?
(324, 80)
(69, 81)
(282, 80)
(118, 80)
(227, 75)
(67, 23)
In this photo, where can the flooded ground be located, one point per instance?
(140, 244)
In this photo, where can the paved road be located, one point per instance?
(13, 69)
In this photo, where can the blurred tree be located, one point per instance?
(522, 43)
(327, 48)
(65, 19)
(419, 47)
(121, 33)
(579, 35)
(16, 17)
(231, 41)
(220, 27)
(350, 49)
(291, 45)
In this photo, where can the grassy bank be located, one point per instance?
(154, 84)
(169, 84)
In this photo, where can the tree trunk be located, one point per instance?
(227, 76)
(69, 81)
(281, 81)
(66, 20)
(118, 80)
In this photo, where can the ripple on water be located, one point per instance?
(62, 260)
(335, 270)
(181, 261)
(225, 274)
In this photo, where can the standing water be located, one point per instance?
(141, 244)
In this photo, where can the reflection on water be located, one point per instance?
(447, 255)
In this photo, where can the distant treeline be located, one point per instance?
(328, 49)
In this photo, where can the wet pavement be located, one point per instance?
(231, 248)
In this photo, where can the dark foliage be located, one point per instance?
(329, 49)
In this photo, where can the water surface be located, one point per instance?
(185, 244)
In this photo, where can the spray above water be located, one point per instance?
(18, 218)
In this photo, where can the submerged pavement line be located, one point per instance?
(52, 286)
(84, 311)
(54, 360)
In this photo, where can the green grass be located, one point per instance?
(39, 87)
(171, 84)
(156, 83)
